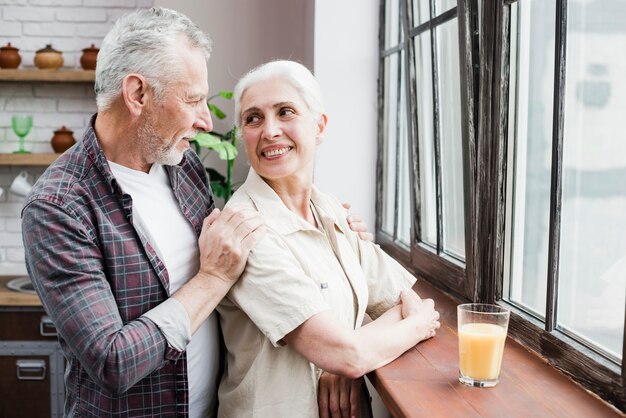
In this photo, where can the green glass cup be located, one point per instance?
(21, 126)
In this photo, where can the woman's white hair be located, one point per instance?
(144, 42)
(296, 74)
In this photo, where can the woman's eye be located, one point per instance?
(286, 112)
(251, 119)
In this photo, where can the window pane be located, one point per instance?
(392, 23)
(426, 135)
(443, 6)
(391, 107)
(404, 193)
(530, 130)
(421, 11)
(592, 277)
(450, 136)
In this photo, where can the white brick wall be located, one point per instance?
(70, 26)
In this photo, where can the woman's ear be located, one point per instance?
(321, 127)
(134, 90)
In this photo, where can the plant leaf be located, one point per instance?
(205, 139)
(226, 94)
(215, 176)
(217, 111)
(218, 189)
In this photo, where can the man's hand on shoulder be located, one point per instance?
(357, 225)
(226, 240)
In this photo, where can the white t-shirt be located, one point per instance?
(158, 217)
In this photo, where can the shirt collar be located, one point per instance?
(276, 215)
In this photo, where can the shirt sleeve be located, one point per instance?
(173, 321)
(386, 278)
(274, 291)
(68, 271)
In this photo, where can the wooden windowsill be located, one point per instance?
(424, 381)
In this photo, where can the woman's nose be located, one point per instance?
(271, 129)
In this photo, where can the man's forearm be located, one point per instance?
(200, 296)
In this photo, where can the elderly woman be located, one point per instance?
(298, 309)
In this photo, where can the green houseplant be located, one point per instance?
(225, 145)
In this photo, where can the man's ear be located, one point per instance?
(321, 127)
(134, 93)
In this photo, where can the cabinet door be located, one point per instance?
(25, 386)
(26, 326)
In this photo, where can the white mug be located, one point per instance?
(20, 185)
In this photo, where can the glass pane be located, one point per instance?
(392, 23)
(443, 6)
(425, 140)
(592, 277)
(404, 177)
(449, 88)
(391, 107)
(421, 11)
(530, 128)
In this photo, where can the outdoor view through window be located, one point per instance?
(592, 263)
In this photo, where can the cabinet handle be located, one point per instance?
(47, 328)
(30, 369)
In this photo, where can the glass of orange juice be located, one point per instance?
(482, 333)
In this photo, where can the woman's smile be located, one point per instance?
(276, 152)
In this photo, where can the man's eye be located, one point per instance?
(285, 111)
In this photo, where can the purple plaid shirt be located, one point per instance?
(96, 275)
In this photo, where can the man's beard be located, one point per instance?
(158, 150)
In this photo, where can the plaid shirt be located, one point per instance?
(96, 275)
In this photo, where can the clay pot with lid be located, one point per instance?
(89, 57)
(9, 56)
(62, 140)
(48, 58)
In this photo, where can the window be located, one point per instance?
(502, 176)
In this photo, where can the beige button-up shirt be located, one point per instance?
(293, 273)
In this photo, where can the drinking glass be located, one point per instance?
(482, 333)
(21, 126)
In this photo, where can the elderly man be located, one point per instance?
(122, 242)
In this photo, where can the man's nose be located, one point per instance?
(203, 121)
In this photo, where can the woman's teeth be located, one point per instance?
(275, 152)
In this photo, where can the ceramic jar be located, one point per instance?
(48, 58)
(62, 140)
(88, 59)
(9, 56)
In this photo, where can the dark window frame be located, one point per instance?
(484, 104)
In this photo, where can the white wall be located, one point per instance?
(346, 65)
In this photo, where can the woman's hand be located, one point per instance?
(424, 312)
(339, 396)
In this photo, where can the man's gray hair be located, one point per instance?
(292, 72)
(144, 42)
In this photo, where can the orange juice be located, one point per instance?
(480, 350)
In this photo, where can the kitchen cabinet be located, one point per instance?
(31, 361)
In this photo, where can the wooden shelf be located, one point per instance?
(34, 74)
(38, 159)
